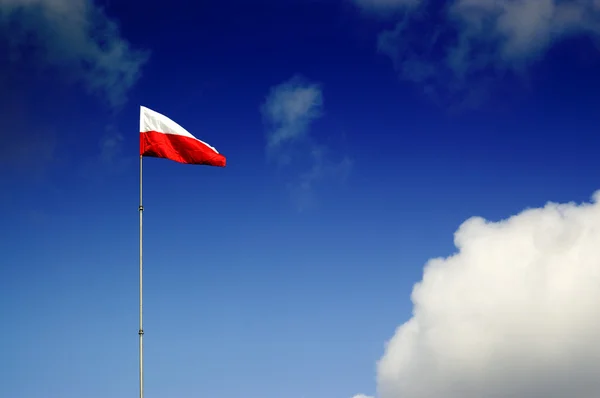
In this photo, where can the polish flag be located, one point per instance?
(161, 137)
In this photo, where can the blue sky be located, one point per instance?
(285, 273)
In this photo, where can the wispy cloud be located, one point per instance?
(77, 42)
(455, 50)
(75, 37)
(322, 168)
(288, 111)
(111, 159)
(378, 6)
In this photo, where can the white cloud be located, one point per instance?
(514, 313)
(75, 37)
(518, 31)
(468, 38)
(289, 110)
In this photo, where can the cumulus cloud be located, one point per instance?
(75, 37)
(464, 44)
(514, 313)
(288, 111)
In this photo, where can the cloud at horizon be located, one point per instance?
(512, 313)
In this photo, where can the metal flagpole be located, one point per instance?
(141, 330)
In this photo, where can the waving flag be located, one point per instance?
(161, 137)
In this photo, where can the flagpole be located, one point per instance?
(141, 330)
